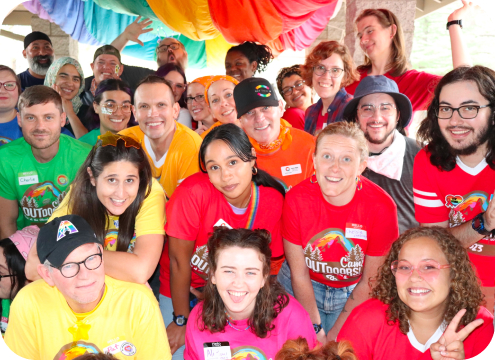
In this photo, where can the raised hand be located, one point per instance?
(459, 14)
(136, 28)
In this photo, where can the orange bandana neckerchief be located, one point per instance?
(284, 140)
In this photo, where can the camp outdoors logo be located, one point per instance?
(40, 200)
(199, 262)
(347, 268)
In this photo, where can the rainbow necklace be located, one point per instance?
(232, 326)
(255, 199)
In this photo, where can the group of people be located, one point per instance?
(265, 230)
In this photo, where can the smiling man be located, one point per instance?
(37, 169)
(88, 311)
(454, 175)
(38, 51)
(172, 148)
(383, 113)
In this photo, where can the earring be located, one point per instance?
(255, 170)
(313, 179)
(359, 183)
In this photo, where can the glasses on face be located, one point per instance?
(112, 108)
(466, 112)
(163, 48)
(198, 98)
(334, 72)
(9, 85)
(92, 262)
(288, 90)
(427, 268)
(368, 110)
(111, 139)
(3, 276)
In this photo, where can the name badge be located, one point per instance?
(28, 178)
(356, 231)
(217, 351)
(222, 222)
(291, 170)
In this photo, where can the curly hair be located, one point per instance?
(429, 132)
(285, 73)
(270, 300)
(324, 50)
(398, 59)
(465, 289)
(262, 54)
(298, 349)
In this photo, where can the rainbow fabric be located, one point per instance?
(255, 199)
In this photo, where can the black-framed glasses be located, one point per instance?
(334, 72)
(9, 85)
(466, 112)
(198, 98)
(2, 276)
(70, 270)
(163, 48)
(288, 90)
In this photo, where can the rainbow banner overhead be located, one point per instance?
(207, 28)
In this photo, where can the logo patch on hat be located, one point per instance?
(263, 91)
(66, 228)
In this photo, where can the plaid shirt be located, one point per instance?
(335, 111)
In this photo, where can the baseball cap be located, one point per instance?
(58, 238)
(107, 49)
(35, 35)
(253, 92)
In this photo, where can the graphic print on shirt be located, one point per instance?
(248, 353)
(76, 349)
(4, 140)
(110, 242)
(199, 262)
(333, 241)
(40, 200)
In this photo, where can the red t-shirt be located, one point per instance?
(373, 338)
(295, 117)
(322, 121)
(418, 86)
(197, 206)
(336, 239)
(292, 165)
(456, 196)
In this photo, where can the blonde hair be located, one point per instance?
(349, 130)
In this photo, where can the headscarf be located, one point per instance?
(52, 73)
(208, 80)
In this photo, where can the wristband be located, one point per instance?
(454, 22)
(478, 225)
(317, 328)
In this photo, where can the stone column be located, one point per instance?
(335, 29)
(405, 11)
(63, 44)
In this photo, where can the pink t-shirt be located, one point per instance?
(372, 337)
(245, 343)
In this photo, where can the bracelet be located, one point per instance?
(454, 22)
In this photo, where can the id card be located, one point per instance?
(356, 231)
(217, 351)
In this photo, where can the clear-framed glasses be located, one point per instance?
(334, 72)
(4, 276)
(198, 98)
(112, 108)
(9, 85)
(163, 48)
(70, 270)
(368, 110)
(427, 268)
(466, 112)
(288, 90)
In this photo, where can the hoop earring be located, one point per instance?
(359, 183)
(255, 170)
(313, 179)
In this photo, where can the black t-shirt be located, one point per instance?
(401, 191)
(28, 80)
(132, 75)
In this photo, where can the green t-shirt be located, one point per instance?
(38, 188)
(91, 137)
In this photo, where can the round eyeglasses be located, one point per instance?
(334, 72)
(112, 108)
(466, 112)
(163, 48)
(9, 85)
(368, 110)
(288, 90)
(70, 270)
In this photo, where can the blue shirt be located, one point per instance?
(28, 80)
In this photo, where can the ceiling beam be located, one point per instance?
(11, 35)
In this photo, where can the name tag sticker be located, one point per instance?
(114, 348)
(217, 351)
(222, 222)
(291, 170)
(28, 178)
(356, 231)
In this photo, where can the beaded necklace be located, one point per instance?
(232, 326)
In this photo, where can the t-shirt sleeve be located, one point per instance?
(419, 86)
(360, 337)
(429, 207)
(290, 220)
(304, 326)
(151, 216)
(192, 333)
(7, 188)
(385, 228)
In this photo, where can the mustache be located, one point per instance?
(459, 128)
(40, 132)
(41, 57)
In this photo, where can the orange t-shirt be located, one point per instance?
(204, 133)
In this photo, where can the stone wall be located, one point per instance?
(63, 44)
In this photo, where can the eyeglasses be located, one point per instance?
(9, 85)
(428, 269)
(466, 112)
(3, 276)
(92, 262)
(368, 110)
(288, 90)
(320, 70)
(163, 48)
(198, 98)
(111, 139)
(112, 108)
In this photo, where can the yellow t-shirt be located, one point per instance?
(149, 220)
(181, 159)
(127, 324)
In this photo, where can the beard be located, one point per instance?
(377, 141)
(40, 69)
(481, 138)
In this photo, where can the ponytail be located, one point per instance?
(265, 179)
